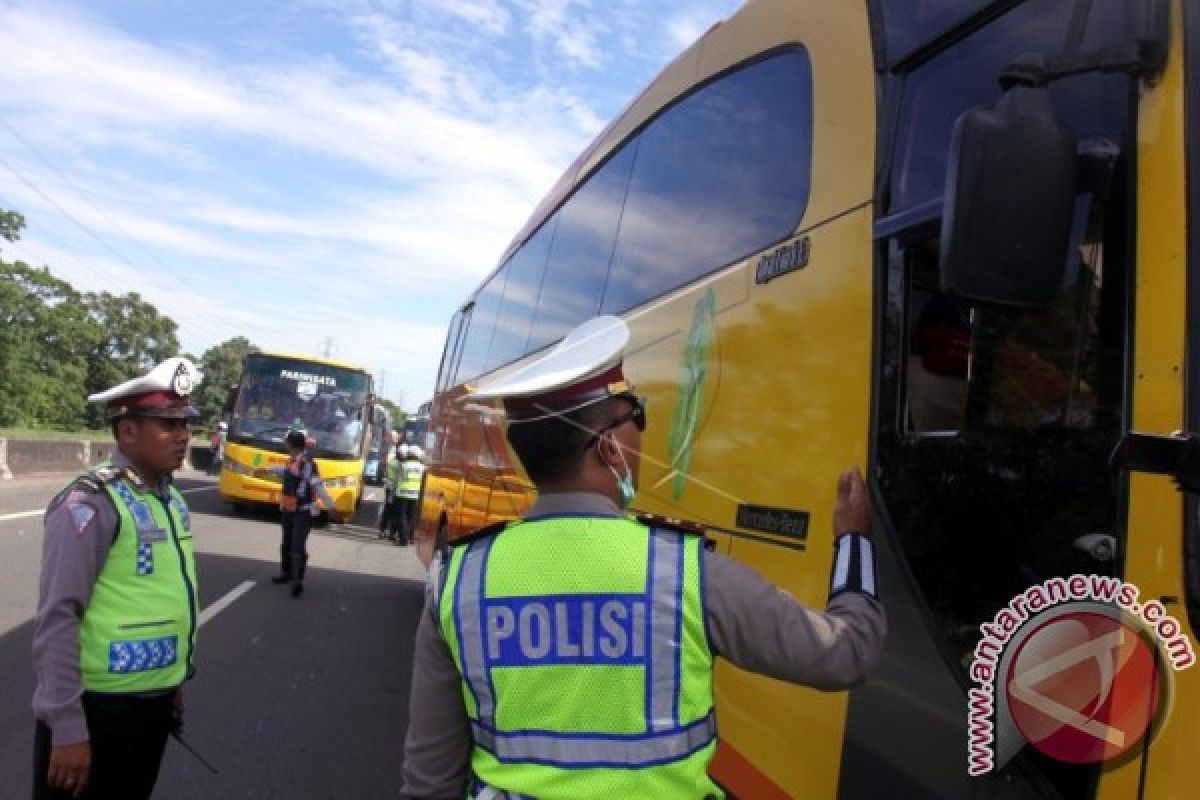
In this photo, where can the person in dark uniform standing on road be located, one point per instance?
(569, 654)
(297, 505)
(406, 494)
(391, 478)
(115, 632)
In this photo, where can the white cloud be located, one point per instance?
(486, 15)
(357, 186)
(686, 28)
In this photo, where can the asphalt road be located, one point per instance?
(293, 698)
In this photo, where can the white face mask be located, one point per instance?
(625, 485)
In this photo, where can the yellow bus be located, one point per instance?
(948, 240)
(277, 393)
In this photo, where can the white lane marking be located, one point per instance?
(20, 514)
(225, 602)
(197, 489)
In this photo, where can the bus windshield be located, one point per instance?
(278, 394)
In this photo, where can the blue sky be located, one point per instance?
(300, 170)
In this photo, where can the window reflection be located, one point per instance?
(719, 176)
(582, 249)
(910, 23)
(480, 325)
(965, 76)
(515, 318)
(450, 352)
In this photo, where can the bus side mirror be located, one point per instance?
(1010, 193)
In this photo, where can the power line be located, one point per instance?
(204, 327)
(193, 321)
(82, 193)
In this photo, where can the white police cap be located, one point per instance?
(583, 368)
(161, 392)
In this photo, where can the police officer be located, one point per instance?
(408, 488)
(115, 631)
(386, 518)
(584, 638)
(297, 506)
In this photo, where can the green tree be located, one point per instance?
(46, 342)
(135, 337)
(394, 412)
(11, 224)
(222, 366)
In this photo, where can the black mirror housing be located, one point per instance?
(1010, 194)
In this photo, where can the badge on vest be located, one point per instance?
(150, 535)
(566, 629)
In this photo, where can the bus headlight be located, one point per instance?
(341, 483)
(236, 468)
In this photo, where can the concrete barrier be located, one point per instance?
(38, 456)
(20, 458)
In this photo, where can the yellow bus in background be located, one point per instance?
(948, 240)
(277, 393)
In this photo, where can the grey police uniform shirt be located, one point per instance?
(79, 532)
(752, 623)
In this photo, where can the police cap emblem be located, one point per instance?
(182, 382)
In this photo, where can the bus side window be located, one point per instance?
(584, 236)
(995, 423)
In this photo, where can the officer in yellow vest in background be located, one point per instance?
(387, 521)
(408, 489)
(569, 655)
(115, 630)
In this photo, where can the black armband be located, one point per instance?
(853, 566)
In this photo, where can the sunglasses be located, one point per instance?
(636, 415)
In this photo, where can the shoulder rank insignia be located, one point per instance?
(670, 523)
(88, 483)
(85, 483)
(104, 475)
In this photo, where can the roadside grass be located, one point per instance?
(44, 434)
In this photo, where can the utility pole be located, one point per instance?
(327, 347)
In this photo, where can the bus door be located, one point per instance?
(994, 421)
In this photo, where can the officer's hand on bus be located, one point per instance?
(69, 767)
(852, 513)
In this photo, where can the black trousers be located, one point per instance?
(385, 513)
(128, 735)
(294, 550)
(403, 509)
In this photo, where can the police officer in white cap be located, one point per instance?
(570, 654)
(115, 630)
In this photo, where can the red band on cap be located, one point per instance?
(564, 397)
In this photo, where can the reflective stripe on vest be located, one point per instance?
(601, 750)
(599, 629)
